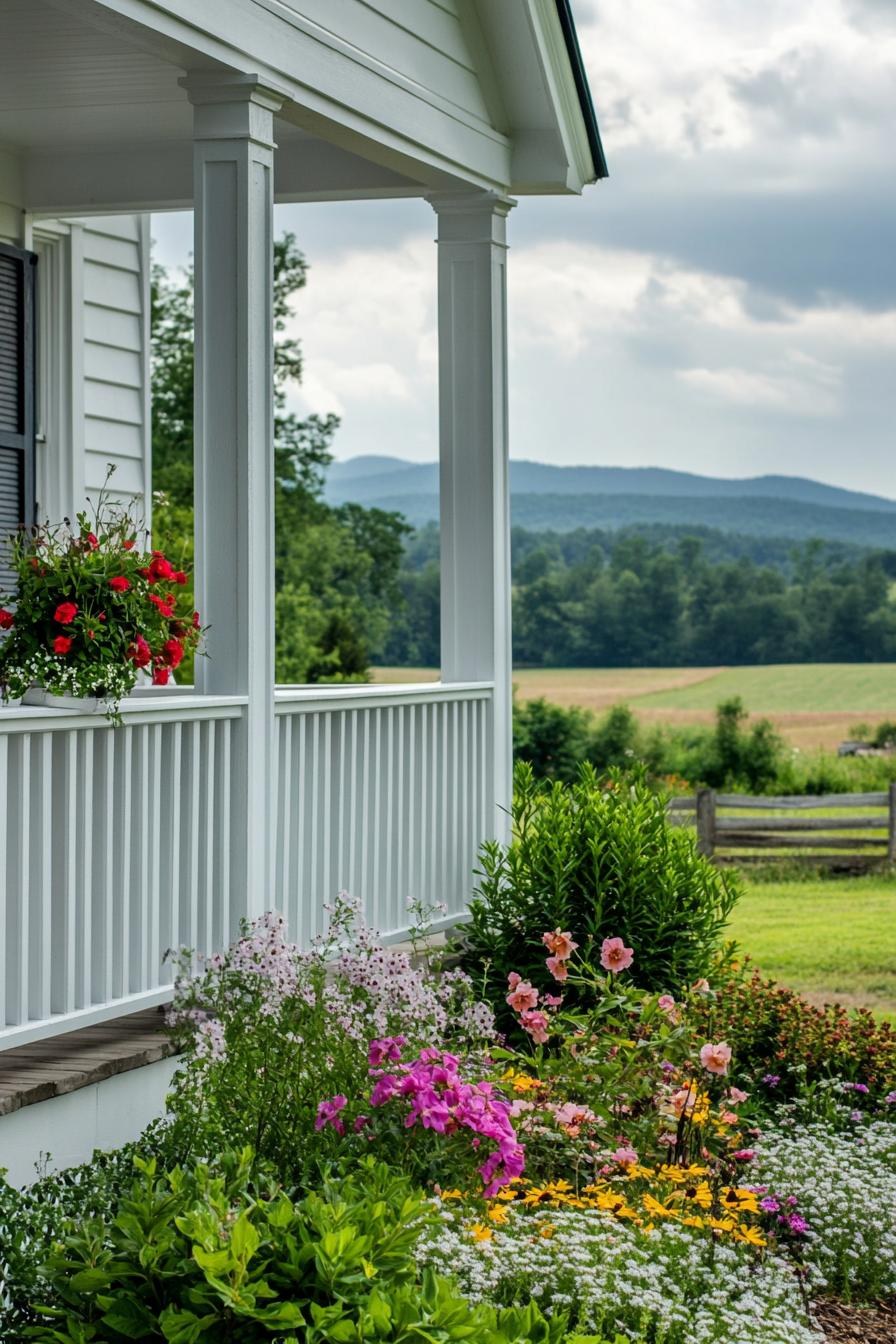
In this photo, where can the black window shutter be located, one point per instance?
(17, 375)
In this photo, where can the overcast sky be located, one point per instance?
(724, 303)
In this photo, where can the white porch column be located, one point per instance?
(234, 421)
(475, 508)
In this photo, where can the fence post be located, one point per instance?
(706, 822)
(891, 830)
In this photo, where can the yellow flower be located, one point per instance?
(451, 1194)
(547, 1230)
(497, 1214)
(481, 1232)
(654, 1207)
(702, 1195)
(750, 1234)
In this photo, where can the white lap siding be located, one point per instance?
(115, 296)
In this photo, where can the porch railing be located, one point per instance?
(112, 849)
(383, 792)
(114, 842)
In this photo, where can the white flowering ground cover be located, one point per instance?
(845, 1183)
(674, 1285)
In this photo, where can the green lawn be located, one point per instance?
(813, 687)
(830, 939)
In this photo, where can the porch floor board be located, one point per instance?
(50, 1068)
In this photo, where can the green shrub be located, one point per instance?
(597, 861)
(782, 1043)
(220, 1254)
(552, 739)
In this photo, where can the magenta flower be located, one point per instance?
(387, 1047)
(328, 1113)
(615, 956)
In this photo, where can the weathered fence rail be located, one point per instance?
(729, 838)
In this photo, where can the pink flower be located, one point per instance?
(614, 955)
(701, 986)
(665, 1003)
(552, 1000)
(537, 1025)
(716, 1058)
(328, 1113)
(557, 968)
(735, 1096)
(559, 944)
(522, 995)
(745, 1154)
(625, 1156)
(388, 1047)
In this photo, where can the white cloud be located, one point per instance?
(812, 391)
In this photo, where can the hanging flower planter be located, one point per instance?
(91, 615)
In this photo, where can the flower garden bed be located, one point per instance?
(363, 1146)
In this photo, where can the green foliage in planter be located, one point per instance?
(224, 1253)
(598, 859)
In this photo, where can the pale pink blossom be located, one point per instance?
(716, 1058)
(522, 996)
(614, 955)
(558, 969)
(537, 1025)
(736, 1096)
(552, 1000)
(559, 944)
(626, 1156)
(701, 986)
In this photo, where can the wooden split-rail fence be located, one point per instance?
(741, 828)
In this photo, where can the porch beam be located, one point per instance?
(234, 425)
(473, 458)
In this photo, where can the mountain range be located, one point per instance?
(546, 496)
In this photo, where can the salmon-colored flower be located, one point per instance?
(614, 955)
(716, 1058)
(558, 969)
(559, 944)
(522, 996)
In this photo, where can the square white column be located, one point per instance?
(234, 429)
(473, 457)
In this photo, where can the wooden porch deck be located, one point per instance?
(51, 1068)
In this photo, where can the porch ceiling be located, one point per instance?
(92, 121)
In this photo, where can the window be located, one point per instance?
(17, 377)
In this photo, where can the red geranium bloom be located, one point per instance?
(91, 541)
(160, 675)
(6, 618)
(119, 584)
(195, 620)
(140, 652)
(128, 545)
(179, 576)
(65, 613)
(159, 568)
(174, 652)
(62, 644)
(163, 603)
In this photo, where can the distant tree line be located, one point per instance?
(662, 597)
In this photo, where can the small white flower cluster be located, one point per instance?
(845, 1185)
(672, 1283)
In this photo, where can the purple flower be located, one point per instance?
(797, 1224)
(769, 1205)
(328, 1113)
(772, 1079)
(387, 1047)
(890, 1099)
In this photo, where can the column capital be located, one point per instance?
(231, 106)
(467, 203)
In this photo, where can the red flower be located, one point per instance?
(195, 620)
(160, 675)
(119, 584)
(128, 545)
(160, 568)
(65, 613)
(6, 618)
(91, 541)
(164, 604)
(179, 576)
(62, 644)
(140, 652)
(173, 651)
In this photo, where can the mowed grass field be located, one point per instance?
(830, 939)
(812, 705)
